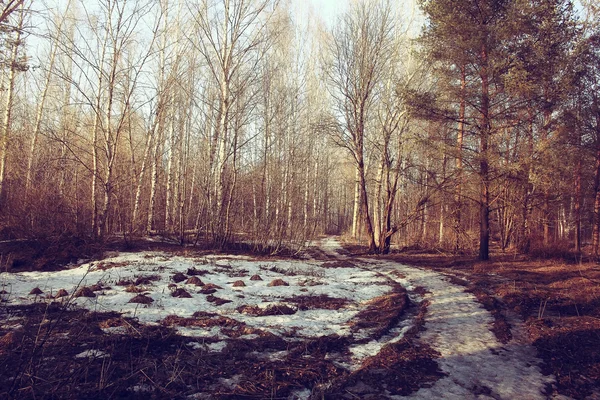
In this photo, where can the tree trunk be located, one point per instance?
(8, 106)
(459, 161)
(365, 206)
(484, 200)
(577, 205)
(377, 218)
(357, 206)
(596, 226)
(156, 153)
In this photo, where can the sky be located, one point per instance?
(327, 10)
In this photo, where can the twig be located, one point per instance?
(542, 310)
(154, 383)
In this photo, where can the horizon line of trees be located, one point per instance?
(229, 120)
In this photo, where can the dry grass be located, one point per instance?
(320, 302)
(382, 313)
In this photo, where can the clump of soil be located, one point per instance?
(98, 287)
(217, 301)
(146, 280)
(179, 277)
(103, 266)
(256, 277)
(194, 280)
(338, 264)
(85, 292)
(278, 282)
(279, 270)
(124, 282)
(239, 284)
(35, 291)
(238, 273)
(134, 289)
(142, 299)
(196, 272)
(181, 293)
(61, 293)
(202, 319)
(210, 288)
(321, 302)
(271, 309)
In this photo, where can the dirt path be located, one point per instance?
(457, 326)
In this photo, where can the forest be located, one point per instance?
(299, 199)
(463, 126)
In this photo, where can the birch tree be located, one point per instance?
(359, 49)
(229, 33)
(15, 66)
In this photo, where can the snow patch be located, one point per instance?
(458, 327)
(91, 354)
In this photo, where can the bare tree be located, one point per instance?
(14, 68)
(359, 51)
(229, 35)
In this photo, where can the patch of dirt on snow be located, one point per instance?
(382, 313)
(231, 360)
(400, 368)
(339, 264)
(271, 309)
(320, 302)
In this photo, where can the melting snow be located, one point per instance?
(305, 278)
(92, 354)
(458, 327)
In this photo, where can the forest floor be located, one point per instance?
(167, 322)
(552, 304)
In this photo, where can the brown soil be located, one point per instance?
(320, 302)
(273, 309)
(210, 288)
(238, 284)
(85, 292)
(134, 289)
(278, 282)
(181, 293)
(383, 312)
(217, 300)
(141, 299)
(194, 280)
(36, 291)
(195, 272)
(339, 264)
(146, 279)
(179, 277)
